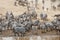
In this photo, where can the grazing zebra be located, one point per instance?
(49, 25)
(43, 16)
(56, 23)
(9, 16)
(18, 30)
(21, 2)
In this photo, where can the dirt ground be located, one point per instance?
(8, 5)
(53, 37)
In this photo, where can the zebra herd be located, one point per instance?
(25, 22)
